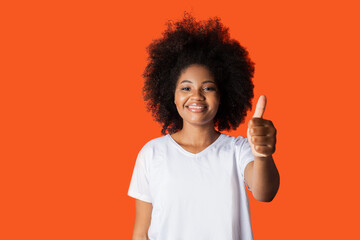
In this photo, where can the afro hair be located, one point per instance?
(205, 43)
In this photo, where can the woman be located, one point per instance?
(189, 184)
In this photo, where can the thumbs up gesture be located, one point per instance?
(261, 133)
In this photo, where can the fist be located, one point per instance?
(261, 133)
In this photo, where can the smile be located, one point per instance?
(196, 109)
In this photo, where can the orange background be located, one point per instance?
(73, 118)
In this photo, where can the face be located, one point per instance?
(197, 96)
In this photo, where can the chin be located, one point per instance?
(199, 123)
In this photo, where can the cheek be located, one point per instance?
(216, 101)
(176, 98)
(179, 99)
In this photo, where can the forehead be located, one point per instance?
(196, 74)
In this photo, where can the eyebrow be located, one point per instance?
(207, 81)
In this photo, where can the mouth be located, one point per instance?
(196, 109)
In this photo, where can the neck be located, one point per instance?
(198, 135)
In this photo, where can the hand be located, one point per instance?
(261, 133)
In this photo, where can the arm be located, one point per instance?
(261, 175)
(263, 178)
(143, 212)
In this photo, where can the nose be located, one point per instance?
(198, 95)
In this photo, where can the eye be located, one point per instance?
(185, 88)
(209, 89)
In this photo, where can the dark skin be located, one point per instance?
(262, 176)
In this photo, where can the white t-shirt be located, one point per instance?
(198, 196)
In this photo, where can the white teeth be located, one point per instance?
(195, 107)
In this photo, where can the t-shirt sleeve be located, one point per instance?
(139, 184)
(244, 155)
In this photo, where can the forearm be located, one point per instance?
(265, 179)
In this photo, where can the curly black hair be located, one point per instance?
(205, 43)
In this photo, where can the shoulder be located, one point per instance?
(231, 143)
(154, 146)
(156, 142)
(238, 144)
(238, 141)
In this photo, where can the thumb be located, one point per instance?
(260, 107)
